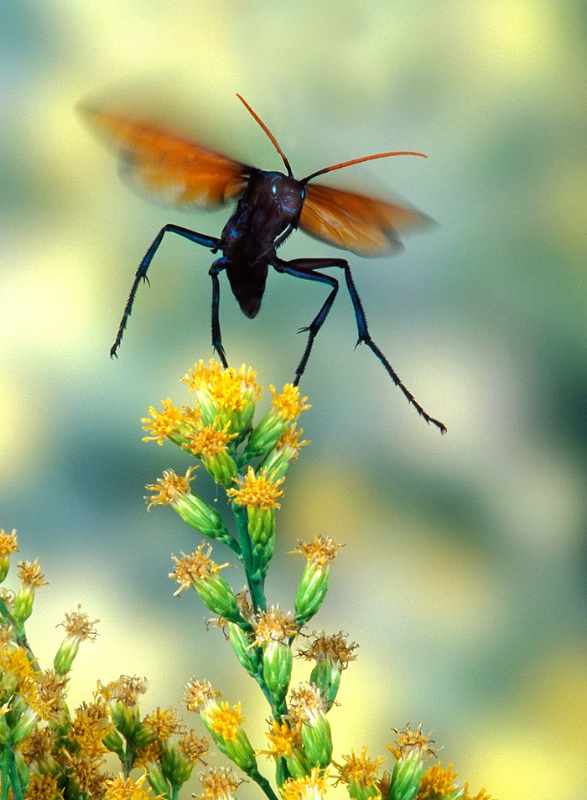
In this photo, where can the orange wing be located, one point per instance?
(176, 169)
(355, 222)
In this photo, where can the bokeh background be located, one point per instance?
(464, 573)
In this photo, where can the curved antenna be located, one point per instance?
(274, 141)
(359, 161)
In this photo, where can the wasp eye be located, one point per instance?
(273, 188)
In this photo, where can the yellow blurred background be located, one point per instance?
(464, 574)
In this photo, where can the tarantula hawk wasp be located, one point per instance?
(271, 205)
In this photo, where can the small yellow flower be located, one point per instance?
(219, 784)
(437, 783)
(163, 722)
(225, 721)
(193, 747)
(359, 769)
(194, 567)
(225, 393)
(320, 552)
(8, 545)
(89, 726)
(170, 487)
(43, 787)
(257, 490)
(412, 743)
(8, 542)
(286, 407)
(284, 738)
(274, 626)
(126, 690)
(209, 440)
(288, 404)
(310, 787)
(332, 648)
(199, 695)
(166, 424)
(126, 789)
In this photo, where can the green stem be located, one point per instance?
(19, 634)
(261, 781)
(14, 779)
(254, 579)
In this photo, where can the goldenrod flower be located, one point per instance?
(126, 789)
(210, 443)
(311, 787)
(174, 490)
(259, 493)
(200, 695)
(78, 628)
(163, 722)
(88, 728)
(307, 706)
(225, 394)
(359, 773)
(285, 451)
(287, 407)
(166, 424)
(274, 631)
(8, 545)
(198, 570)
(313, 586)
(224, 724)
(411, 749)
(286, 742)
(219, 784)
(437, 783)
(31, 578)
(332, 655)
(123, 695)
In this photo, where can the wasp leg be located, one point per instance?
(217, 267)
(199, 238)
(305, 268)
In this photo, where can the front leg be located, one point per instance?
(305, 268)
(199, 238)
(217, 267)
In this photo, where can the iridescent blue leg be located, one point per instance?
(199, 238)
(305, 268)
(217, 267)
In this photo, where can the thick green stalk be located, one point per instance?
(254, 579)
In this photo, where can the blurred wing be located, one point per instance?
(176, 169)
(355, 222)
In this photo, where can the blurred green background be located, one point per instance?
(464, 574)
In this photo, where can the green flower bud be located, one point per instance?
(277, 666)
(405, 778)
(201, 516)
(157, 781)
(240, 751)
(126, 719)
(311, 591)
(218, 596)
(222, 467)
(114, 742)
(317, 739)
(248, 655)
(176, 767)
(326, 675)
(66, 654)
(24, 725)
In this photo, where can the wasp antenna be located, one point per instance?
(360, 160)
(274, 141)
